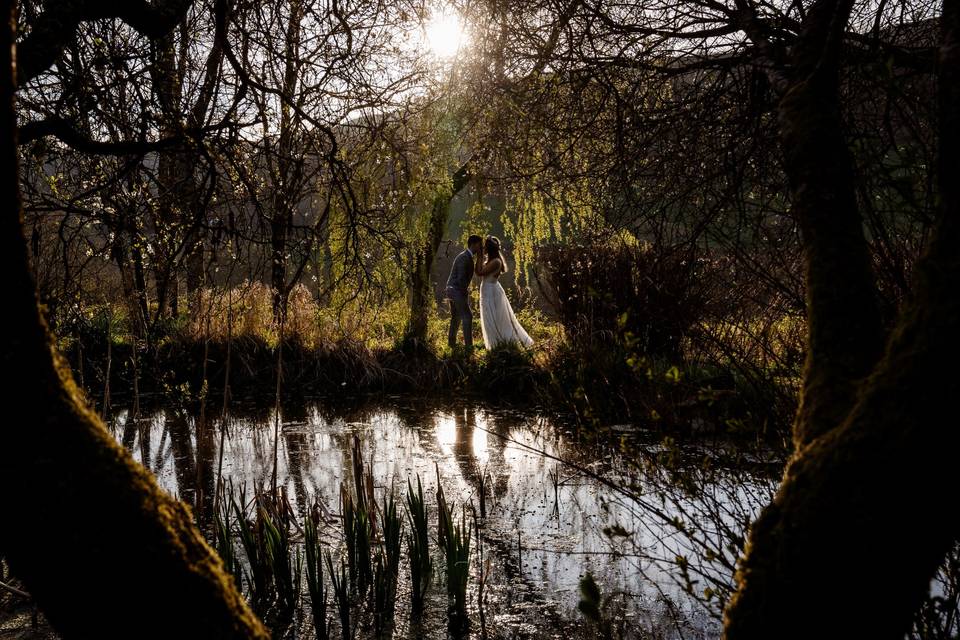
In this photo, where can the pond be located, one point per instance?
(656, 523)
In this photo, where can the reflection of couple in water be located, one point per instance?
(471, 463)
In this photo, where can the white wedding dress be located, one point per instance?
(497, 320)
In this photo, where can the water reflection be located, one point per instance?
(555, 509)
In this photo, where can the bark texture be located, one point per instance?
(420, 288)
(103, 550)
(865, 514)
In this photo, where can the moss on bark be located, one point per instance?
(103, 550)
(845, 337)
(865, 513)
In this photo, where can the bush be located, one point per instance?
(605, 291)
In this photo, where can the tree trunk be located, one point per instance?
(287, 181)
(170, 173)
(280, 223)
(420, 295)
(845, 337)
(140, 286)
(865, 512)
(103, 550)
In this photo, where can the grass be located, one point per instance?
(258, 576)
(357, 535)
(223, 534)
(725, 384)
(285, 561)
(454, 540)
(384, 595)
(341, 595)
(391, 526)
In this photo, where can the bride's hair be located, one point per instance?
(492, 247)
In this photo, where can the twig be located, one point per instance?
(14, 590)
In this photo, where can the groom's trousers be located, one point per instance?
(460, 314)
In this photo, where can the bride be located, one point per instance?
(497, 320)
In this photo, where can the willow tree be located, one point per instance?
(864, 514)
(433, 223)
(85, 527)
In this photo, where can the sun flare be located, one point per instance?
(445, 35)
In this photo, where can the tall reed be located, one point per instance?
(421, 567)
(391, 526)
(315, 586)
(259, 575)
(341, 595)
(387, 565)
(383, 597)
(457, 552)
(223, 539)
(274, 519)
(357, 534)
(444, 522)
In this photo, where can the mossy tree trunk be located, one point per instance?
(866, 510)
(103, 550)
(845, 336)
(420, 289)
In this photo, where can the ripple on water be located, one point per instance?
(556, 509)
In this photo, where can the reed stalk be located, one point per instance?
(341, 595)
(315, 586)
(457, 551)
(421, 567)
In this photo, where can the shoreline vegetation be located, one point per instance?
(594, 383)
(726, 226)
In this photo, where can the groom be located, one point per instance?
(457, 284)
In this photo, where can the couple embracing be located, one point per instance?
(498, 323)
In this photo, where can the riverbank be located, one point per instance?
(594, 385)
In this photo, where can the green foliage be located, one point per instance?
(457, 554)
(223, 538)
(509, 371)
(259, 576)
(285, 562)
(476, 220)
(391, 527)
(357, 534)
(341, 595)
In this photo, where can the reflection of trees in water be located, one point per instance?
(297, 448)
(129, 436)
(181, 443)
(627, 511)
(205, 457)
(688, 514)
(193, 464)
(670, 522)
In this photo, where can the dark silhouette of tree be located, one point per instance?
(86, 525)
(864, 494)
(863, 500)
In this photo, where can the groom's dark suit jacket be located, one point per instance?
(460, 274)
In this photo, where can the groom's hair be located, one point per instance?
(473, 240)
